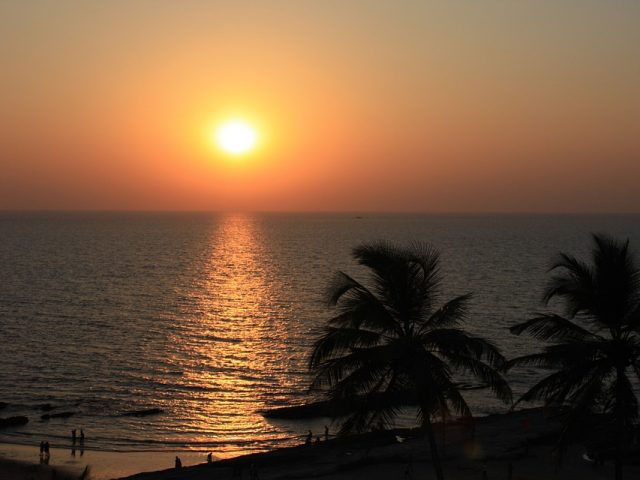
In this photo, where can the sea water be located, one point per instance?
(211, 317)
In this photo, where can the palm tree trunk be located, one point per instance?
(619, 422)
(618, 470)
(435, 458)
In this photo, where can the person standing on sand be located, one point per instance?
(73, 436)
(81, 436)
(47, 455)
(326, 433)
(178, 463)
(209, 457)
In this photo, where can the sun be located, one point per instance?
(236, 137)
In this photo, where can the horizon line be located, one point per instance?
(321, 212)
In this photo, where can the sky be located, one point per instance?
(409, 106)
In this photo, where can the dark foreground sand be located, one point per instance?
(14, 470)
(519, 442)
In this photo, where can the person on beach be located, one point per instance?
(309, 438)
(178, 463)
(47, 455)
(326, 433)
(41, 448)
(73, 436)
(209, 457)
(81, 436)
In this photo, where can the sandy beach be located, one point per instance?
(22, 462)
(517, 444)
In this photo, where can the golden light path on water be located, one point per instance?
(234, 347)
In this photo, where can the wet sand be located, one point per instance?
(103, 464)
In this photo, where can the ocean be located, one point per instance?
(210, 317)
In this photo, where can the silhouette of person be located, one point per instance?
(178, 463)
(73, 436)
(42, 448)
(209, 457)
(309, 438)
(47, 455)
(326, 433)
(317, 439)
(81, 436)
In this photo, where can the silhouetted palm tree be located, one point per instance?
(595, 347)
(389, 346)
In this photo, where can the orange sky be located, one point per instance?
(361, 105)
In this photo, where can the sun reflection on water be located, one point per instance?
(232, 345)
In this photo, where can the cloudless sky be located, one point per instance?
(371, 105)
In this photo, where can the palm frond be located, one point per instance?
(555, 388)
(574, 284)
(450, 314)
(453, 341)
(457, 401)
(489, 376)
(338, 341)
(361, 308)
(339, 285)
(552, 327)
(331, 371)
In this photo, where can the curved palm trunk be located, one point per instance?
(435, 458)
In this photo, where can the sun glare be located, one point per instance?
(236, 137)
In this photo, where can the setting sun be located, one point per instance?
(236, 137)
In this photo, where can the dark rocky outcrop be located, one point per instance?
(335, 408)
(143, 413)
(309, 410)
(13, 421)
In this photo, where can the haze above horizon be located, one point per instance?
(357, 106)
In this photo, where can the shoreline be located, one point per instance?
(519, 442)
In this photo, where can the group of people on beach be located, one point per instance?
(309, 438)
(74, 440)
(44, 452)
(45, 449)
(74, 437)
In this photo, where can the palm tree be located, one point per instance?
(388, 345)
(595, 346)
